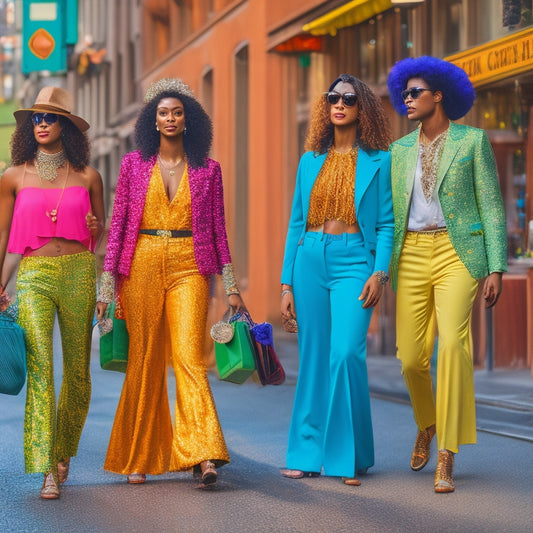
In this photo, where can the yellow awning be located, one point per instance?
(349, 14)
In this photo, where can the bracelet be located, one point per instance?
(106, 292)
(285, 291)
(382, 276)
(228, 279)
(232, 290)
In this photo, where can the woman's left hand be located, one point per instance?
(236, 303)
(372, 292)
(93, 225)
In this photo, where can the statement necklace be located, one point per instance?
(171, 168)
(47, 165)
(52, 214)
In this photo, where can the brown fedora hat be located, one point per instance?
(53, 100)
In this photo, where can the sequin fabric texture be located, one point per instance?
(46, 285)
(165, 300)
(469, 194)
(332, 197)
(207, 206)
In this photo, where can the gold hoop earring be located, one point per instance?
(156, 126)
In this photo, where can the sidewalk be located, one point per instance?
(504, 398)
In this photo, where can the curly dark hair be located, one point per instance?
(373, 126)
(24, 146)
(196, 140)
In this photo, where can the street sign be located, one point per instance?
(48, 26)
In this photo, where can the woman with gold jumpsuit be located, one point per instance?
(167, 237)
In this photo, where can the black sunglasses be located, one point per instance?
(414, 93)
(49, 118)
(348, 99)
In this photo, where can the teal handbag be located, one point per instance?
(114, 343)
(12, 353)
(235, 359)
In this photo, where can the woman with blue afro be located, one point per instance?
(449, 233)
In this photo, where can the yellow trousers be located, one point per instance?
(435, 295)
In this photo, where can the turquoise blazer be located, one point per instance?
(469, 194)
(373, 207)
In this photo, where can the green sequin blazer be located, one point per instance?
(469, 194)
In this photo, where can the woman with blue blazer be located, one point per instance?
(337, 255)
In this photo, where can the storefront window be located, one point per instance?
(499, 111)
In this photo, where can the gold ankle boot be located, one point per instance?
(444, 472)
(421, 451)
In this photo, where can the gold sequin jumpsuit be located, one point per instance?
(165, 301)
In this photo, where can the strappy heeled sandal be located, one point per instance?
(209, 474)
(63, 469)
(297, 474)
(136, 479)
(49, 490)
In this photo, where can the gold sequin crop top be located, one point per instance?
(332, 197)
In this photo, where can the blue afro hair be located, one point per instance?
(458, 94)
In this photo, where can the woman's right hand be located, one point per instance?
(101, 308)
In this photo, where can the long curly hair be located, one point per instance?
(197, 138)
(373, 126)
(24, 146)
(458, 94)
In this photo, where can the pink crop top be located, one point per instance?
(32, 226)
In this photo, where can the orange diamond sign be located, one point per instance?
(42, 44)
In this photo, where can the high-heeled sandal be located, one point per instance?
(62, 470)
(444, 472)
(49, 490)
(297, 474)
(209, 474)
(136, 479)
(421, 450)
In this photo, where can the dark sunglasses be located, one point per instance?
(348, 99)
(414, 93)
(49, 118)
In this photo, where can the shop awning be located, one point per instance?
(349, 14)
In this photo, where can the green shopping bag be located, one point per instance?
(235, 359)
(114, 343)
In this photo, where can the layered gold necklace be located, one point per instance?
(47, 165)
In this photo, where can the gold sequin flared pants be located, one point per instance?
(46, 285)
(165, 301)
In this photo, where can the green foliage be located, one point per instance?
(7, 127)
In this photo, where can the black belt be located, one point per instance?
(167, 232)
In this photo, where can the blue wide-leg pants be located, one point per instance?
(331, 425)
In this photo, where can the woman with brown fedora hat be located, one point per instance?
(52, 214)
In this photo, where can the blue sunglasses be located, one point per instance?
(49, 118)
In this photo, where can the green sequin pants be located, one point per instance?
(65, 285)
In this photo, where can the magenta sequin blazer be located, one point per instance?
(207, 205)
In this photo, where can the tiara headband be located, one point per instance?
(165, 85)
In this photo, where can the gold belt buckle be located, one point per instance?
(164, 233)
